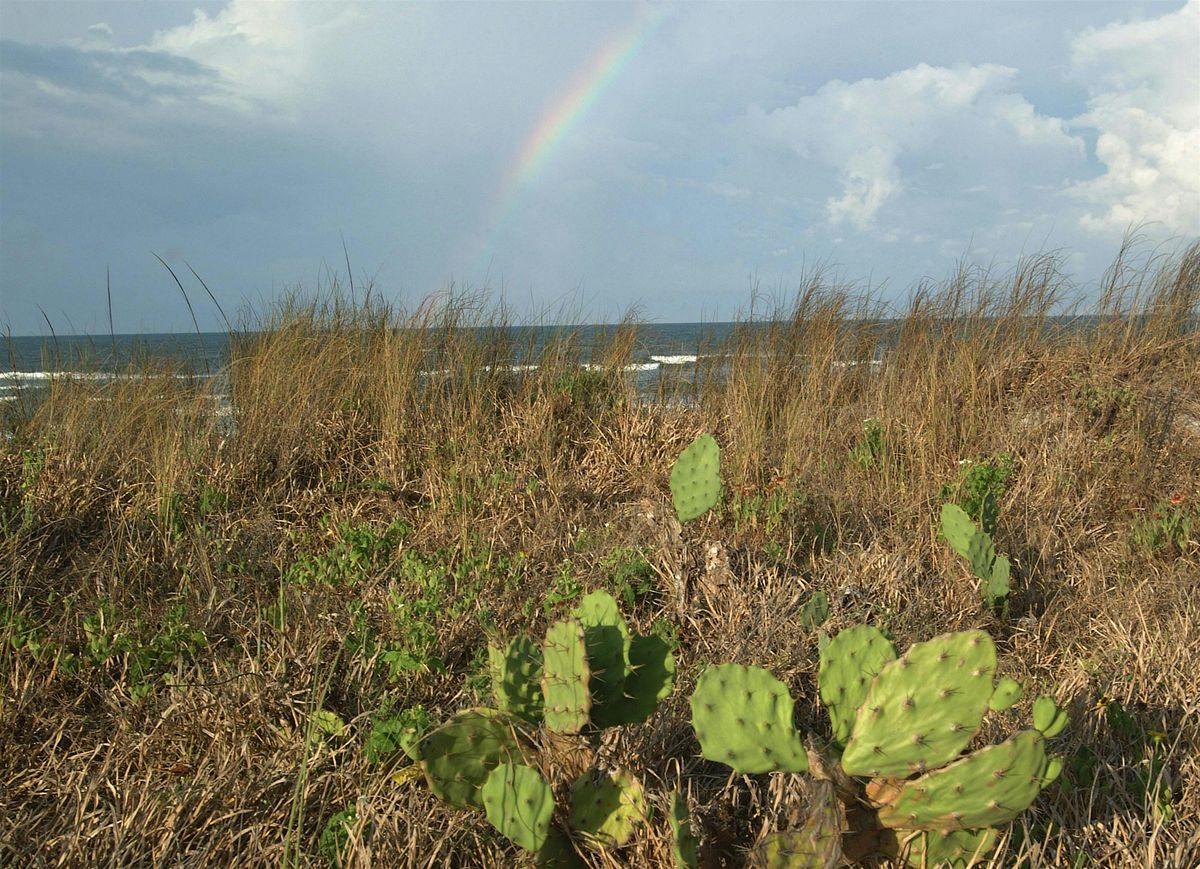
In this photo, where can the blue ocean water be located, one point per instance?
(29, 363)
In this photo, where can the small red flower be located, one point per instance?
(1176, 500)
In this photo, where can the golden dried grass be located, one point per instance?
(511, 480)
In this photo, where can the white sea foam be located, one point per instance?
(681, 359)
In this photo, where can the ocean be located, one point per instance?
(30, 363)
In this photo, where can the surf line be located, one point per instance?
(555, 124)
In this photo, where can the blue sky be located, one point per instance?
(738, 144)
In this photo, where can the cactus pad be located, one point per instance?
(517, 678)
(696, 478)
(607, 809)
(743, 717)
(815, 611)
(519, 804)
(815, 845)
(1048, 718)
(684, 847)
(607, 639)
(649, 682)
(565, 674)
(958, 850)
(985, 789)
(1007, 692)
(848, 664)
(923, 708)
(458, 756)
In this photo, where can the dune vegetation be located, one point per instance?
(222, 634)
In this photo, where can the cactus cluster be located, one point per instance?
(902, 723)
(589, 673)
(895, 780)
(975, 545)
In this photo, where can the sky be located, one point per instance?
(663, 158)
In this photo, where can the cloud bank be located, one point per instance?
(738, 144)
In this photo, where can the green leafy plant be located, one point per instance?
(900, 723)
(870, 448)
(358, 548)
(980, 485)
(965, 538)
(25, 635)
(335, 835)
(1149, 773)
(1171, 529)
(143, 663)
(397, 734)
(631, 576)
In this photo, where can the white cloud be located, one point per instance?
(1145, 107)
(263, 50)
(863, 129)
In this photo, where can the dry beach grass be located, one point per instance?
(180, 596)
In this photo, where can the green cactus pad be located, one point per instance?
(1007, 692)
(996, 585)
(815, 845)
(987, 788)
(848, 664)
(815, 611)
(696, 478)
(458, 756)
(517, 678)
(965, 538)
(607, 809)
(743, 717)
(1048, 718)
(684, 848)
(958, 529)
(649, 682)
(558, 853)
(981, 554)
(565, 675)
(961, 849)
(923, 708)
(607, 639)
(519, 804)
(1054, 767)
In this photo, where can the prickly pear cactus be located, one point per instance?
(458, 756)
(517, 678)
(607, 808)
(965, 538)
(650, 680)
(848, 664)
(961, 849)
(1048, 718)
(1008, 691)
(565, 675)
(696, 478)
(607, 639)
(984, 789)
(743, 717)
(519, 804)
(923, 708)
(815, 845)
(685, 850)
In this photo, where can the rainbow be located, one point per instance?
(563, 116)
